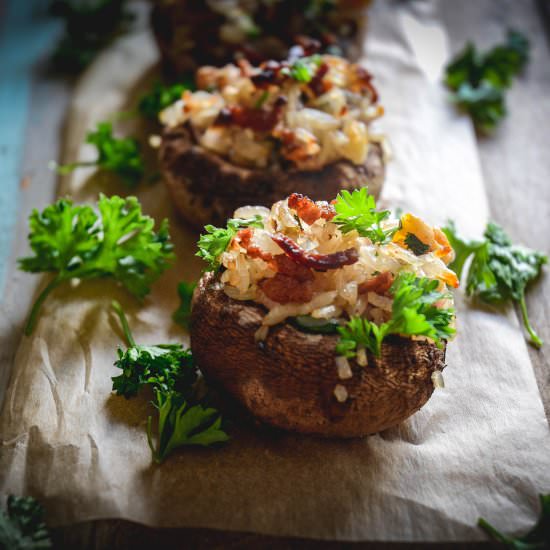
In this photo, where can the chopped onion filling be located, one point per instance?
(240, 112)
(358, 289)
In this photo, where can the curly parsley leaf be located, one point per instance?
(215, 241)
(182, 424)
(22, 526)
(356, 211)
(75, 241)
(183, 313)
(89, 27)
(303, 69)
(167, 367)
(536, 539)
(161, 96)
(414, 313)
(170, 371)
(499, 271)
(118, 155)
(479, 80)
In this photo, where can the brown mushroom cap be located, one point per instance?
(206, 188)
(289, 379)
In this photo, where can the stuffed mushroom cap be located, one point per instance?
(257, 30)
(207, 188)
(252, 321)
(290, 381)
(253, 135)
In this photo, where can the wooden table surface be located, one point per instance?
(516, 169)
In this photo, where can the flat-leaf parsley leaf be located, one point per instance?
(118, 155)
(183, 313)
(89, 27)
(499, 271)
(22, 526)
(161, 96)
(170, 371)
(356, 211)
(414, 313)
(303, 69)
(215, 241)
(76, 242)
(479, 80)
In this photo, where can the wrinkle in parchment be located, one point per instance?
(480, 447)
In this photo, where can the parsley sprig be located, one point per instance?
(538, 538)
(161, 96)
(170, 371)
(22, 525)
(215, 241)
(499, 271)
(479, 80)
(183, 313)
(414, 313)
(76, 242)
(118, 155)
(303, 69)
(89, 27)
(356, 211)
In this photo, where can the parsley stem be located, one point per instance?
(33, 317)
(150, 440)
(64, 169)
(124, 322)
(535, 339)
(492, 532)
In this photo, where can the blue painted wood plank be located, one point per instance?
(25, 35)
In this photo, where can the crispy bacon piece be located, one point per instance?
(380, 284)
(317, 85)
(309, 45)
(259, 120)
(284, 289)
(310, 211)
(245, 67)
(363, 82)
(244, 238)
(284, 265)
(317, 262)
(297, 145)
(292, 283)
(268, 75)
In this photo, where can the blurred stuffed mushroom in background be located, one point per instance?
(191, 33)
(255, 134)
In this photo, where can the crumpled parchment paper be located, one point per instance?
(479, 447)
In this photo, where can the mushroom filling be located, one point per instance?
(306, 112)
(302, 260)
(255, 28)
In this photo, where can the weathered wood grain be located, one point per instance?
(516, 166)
(515, 160)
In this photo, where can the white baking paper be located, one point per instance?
(480, 447)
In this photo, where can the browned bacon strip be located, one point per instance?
(380, 284)
(284, 265)
(308, 210)
(284, 289)
(317, 262)
(259, 120)
(364, 82)
(244, 238)
(317, 85)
